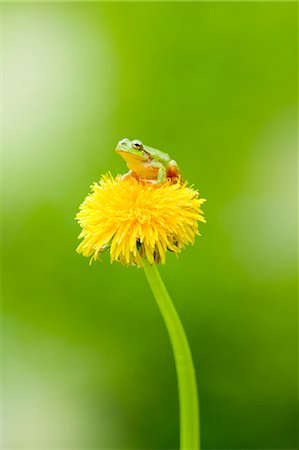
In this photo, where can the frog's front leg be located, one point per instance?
(161, 177)
(161, 174)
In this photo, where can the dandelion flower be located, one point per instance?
(138, 220)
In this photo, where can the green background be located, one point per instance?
(86, 361)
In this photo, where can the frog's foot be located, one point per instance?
(129, 174)
(155, 182)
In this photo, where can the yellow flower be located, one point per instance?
(137, 220)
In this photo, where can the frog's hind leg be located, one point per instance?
(173, 171)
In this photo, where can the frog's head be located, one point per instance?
(132, 149)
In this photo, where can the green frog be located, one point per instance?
(147, 163)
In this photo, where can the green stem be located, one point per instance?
(189, 411)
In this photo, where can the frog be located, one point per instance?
(146, 163)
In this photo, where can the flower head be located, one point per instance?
(138, 220)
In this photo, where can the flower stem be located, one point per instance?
(188, 399)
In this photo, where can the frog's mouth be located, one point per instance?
(130, 155)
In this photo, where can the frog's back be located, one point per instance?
(158, 155)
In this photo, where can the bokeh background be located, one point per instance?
(86, 361)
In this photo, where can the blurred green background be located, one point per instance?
(86, 360)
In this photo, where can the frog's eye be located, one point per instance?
(137, 144)
(124, 141)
